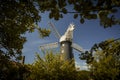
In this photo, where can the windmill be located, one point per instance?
(65, 42)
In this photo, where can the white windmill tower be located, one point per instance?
(65, 41)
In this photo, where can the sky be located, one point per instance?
(85, 35)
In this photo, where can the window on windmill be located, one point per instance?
(63, 44)
(62, 51)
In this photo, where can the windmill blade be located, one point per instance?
(77, 47)
(49, 46)
(57, 35)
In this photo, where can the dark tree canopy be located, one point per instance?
(52, 67)
(104, 10)
(110, 46)
(16, 18)
(104, 60)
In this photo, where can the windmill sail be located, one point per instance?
(65, 41)
(49, 46)
(77, 47)
(57, 35)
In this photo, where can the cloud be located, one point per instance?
(39, 41)
(34, 44)
(84, 67)
(81, 65)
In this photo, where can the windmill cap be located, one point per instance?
(72, 26)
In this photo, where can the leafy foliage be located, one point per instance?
(16, 18)
(51, 67)
(106, 68)
(105, 10)
(10, 70)
(106, 46)
(106, 60)
(84, 75)
(42, 31)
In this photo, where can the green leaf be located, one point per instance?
(93, 16)
(64, 10)
(75, 16)
(50, 15)
(61, 15)
(82, 20)
(114, 10)
(44, 32)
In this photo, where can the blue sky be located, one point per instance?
(85, 35)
